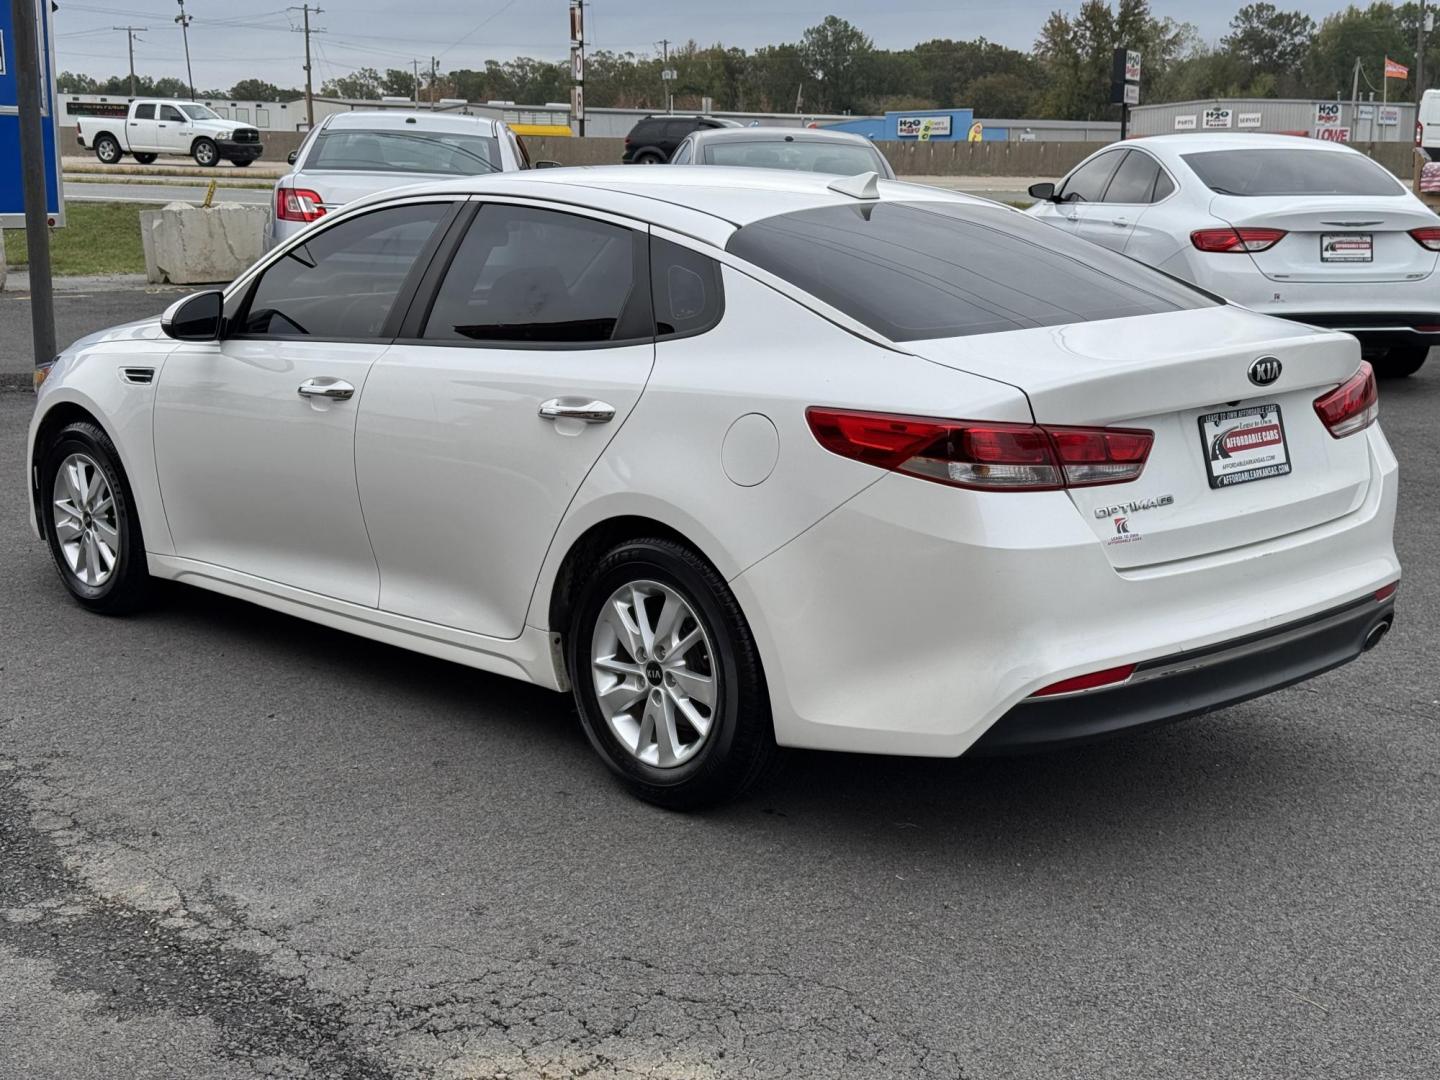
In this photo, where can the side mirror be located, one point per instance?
(1043, 191)
(290, 157)
(546, 165)
(196, 317)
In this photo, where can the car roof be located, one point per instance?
(708, 204)
(1196, 142)
(776, 133)
(411, 120)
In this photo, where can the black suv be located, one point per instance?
(654, 139)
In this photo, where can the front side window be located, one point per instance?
(1259, 172)
(523, 274)
(912, 271)
(435, 152)
(144, 112)
(342, 282)
(171, 114)
(1087, 183)
(797, 156)
(1134, 180)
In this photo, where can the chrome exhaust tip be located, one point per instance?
(1378, 631)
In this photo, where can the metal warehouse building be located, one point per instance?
(1343, 121)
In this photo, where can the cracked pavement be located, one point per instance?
(235, 845)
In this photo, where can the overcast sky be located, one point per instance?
(236, 39)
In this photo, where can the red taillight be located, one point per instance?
(1386, 591)
(984, 456)
(297, 204)
(1427, 237)
(1352, 406)
(1236, 240)
(1091, 681)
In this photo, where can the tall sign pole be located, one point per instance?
(1125, 84)
(30, 110)
(577, 64)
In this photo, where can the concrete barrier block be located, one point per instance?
(191, 245)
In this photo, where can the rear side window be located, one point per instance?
(144, 112)
(1277, 171)
(1134, 181)
(688, 294)
(912, 271)
(541, 276)
(1087, 183)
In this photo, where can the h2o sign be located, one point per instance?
(1327, 113)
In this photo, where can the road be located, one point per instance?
(234, 845)
(163, 193)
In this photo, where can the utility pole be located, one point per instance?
(1420, 29)
(305, 12)
(25, 25)
(434, 69)
(415, 82)
(184, 21)
(664, 69)
(130, 32)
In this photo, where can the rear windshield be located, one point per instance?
(927, 270)
(1291, 172)
(820, 157)
(435, 152)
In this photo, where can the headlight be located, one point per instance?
(225, 136)
(42, 372)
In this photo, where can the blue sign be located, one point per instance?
(12, 199)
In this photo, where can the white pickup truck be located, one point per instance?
(155, 126)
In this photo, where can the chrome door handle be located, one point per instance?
(1072, 217)
(577, 408)
(334, 389)
(1122, 222)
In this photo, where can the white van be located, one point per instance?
(1427, 125)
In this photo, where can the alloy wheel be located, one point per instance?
(654, 672)
(85, 520)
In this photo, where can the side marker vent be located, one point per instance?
(138, 376)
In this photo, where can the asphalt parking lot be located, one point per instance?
(235, 845)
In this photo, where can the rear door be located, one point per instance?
(521, 358)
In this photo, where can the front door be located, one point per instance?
(1110, 221)
(173, 131)
(255, 435)
(479, 426)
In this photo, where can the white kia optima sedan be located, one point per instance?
(1301, 228)
(746, 459)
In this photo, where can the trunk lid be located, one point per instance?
(1165, 373)
(1325, 237)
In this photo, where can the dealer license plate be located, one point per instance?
(1347, 247)
(1245, 444)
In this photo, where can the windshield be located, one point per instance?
(912, 271)
(199, 112)
(821, 157)
(1259, 172)
(432, 152)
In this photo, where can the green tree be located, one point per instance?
(1368, 34)
(363, 84)
(260, 90)
(837, 55)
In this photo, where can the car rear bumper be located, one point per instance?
(1372, 327)
(912, 619)
(1189, 684)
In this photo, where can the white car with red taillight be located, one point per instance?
(745, 459)
(353, 154)
(1305, 229)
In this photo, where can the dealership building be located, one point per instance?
(1341, 121)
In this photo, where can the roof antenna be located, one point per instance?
(861, 186)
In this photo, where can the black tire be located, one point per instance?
(649, 157)
(1400, 361)
(146, 159)
(128, 585)
(243, 163)
(205, 153)
(107, 149)
(739, 748)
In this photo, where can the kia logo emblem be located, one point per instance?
(1265, 370)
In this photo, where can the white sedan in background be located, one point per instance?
(353, 154)
(746, 459)
(1300, 228)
